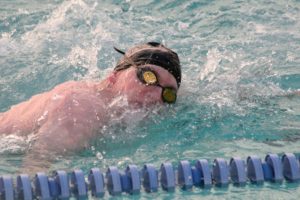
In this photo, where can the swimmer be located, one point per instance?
(70, 115)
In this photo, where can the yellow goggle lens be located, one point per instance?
(169, 95)
(149, 77)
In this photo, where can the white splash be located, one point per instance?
(7, 45)
(120, 101)
(14, 144)
(213, 60)
(86, 58)
(42, 31)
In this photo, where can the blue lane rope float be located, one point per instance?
(62, 185)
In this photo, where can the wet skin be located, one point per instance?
(70, 115)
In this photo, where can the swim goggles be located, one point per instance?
(148, 77)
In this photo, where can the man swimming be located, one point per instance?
(70, 115)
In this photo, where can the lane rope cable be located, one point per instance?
(238, 172)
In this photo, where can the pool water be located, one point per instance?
(240, 62)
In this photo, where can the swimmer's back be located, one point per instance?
(28, 116)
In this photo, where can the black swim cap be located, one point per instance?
(151, 53)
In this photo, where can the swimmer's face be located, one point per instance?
(141, 93)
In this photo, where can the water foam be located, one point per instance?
(52, 25)
(213, 60)
(15, 144)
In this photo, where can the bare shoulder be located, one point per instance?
(78, 100)
(73, 99)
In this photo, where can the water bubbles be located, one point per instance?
(92, 148)
(124, 161)
(15, 144)
(213, 60)
(99, 156)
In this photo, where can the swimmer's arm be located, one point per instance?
(50, 144)
(64, 133)
(53, 141)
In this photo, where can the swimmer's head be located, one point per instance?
(148, 73)
(151, 53)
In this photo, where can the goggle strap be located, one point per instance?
(118, 50)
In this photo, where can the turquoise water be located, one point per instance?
(240, 62)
